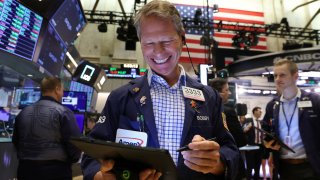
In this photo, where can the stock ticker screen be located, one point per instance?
(68, 20)
(53, 52)
(19, 29)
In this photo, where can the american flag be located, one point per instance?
(242, 17)
(199, 53)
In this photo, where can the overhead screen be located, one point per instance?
(68, 20)
(19, 29)
(86, 73)
(53, 52)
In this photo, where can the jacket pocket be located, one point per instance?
(129, 124)
(204, 131)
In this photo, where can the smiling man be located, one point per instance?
(295, 118)
(170, 107)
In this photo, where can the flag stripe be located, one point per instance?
(258, 47)
(195, 50)
(223, 35)
(194, 60)
(238, 20)
(225, 17)
(239, 27)
(242, 12)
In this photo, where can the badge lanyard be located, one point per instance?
(285, 116)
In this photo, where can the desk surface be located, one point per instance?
(4, 139)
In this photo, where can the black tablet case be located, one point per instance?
(276, 138)
(137, 158)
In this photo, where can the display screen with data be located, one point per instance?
(19, 29)
(68, 20)
(53, 52)
(76, 101)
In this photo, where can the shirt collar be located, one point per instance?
(298, 95)
(49, 98)
(182, 75)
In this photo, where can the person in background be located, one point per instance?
(231, 119)
(41, 136)
(267, 119)
(266, 159)
(171, 118)
(294, 118)
(90, 123)
(255, 137)
(242, 120)
(233, 124)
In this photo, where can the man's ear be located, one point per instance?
(183, 39)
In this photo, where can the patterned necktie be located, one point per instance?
(257, 132)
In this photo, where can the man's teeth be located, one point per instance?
(160, 61)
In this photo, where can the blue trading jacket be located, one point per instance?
(42, 132)
(121, 110)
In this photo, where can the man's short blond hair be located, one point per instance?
(161, 9)
(293, 68)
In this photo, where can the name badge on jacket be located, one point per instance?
(302, 104)
(193, 93)
(133, 138)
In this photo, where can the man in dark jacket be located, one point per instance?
(231, 119)
(41, 136)
(294, 118)
(254, 137)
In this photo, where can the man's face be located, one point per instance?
(59, 93)
(283, 78)
(257, 113)
(225, 93)
(161, 46)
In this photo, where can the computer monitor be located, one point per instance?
(76, 101)
(69, 20)
(25, 96)
(80, 118)
(20, 29)
(4, 115)
(75, 86)
(53, 52)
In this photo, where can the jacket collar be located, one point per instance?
(49, 98)
(140, 91)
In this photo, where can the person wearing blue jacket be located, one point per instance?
(168, 105)
(295, 118)
(41, 136)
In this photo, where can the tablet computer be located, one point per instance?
(136, 157)
(276, 138)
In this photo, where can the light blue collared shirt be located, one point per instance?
(289, 107)
(169, 111)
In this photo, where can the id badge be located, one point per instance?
(193, 93)
(288, 141)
